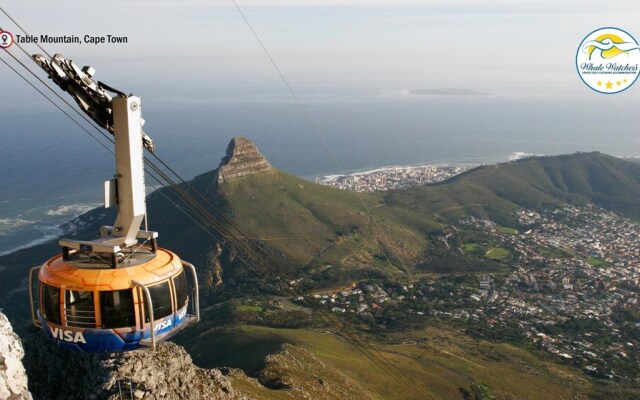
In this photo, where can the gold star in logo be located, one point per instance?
(618, 83)
(609, 85)
(599, 83)
(625, 81)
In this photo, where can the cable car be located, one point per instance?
(85, 306)
(113, 293)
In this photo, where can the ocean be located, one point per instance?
(51, 171)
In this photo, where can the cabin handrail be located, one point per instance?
(34, 317)
(196, 294)
(148, 301)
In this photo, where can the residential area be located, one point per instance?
(571, 290)
(393, 178)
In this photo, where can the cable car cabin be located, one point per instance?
(85, 304)
(112, 293)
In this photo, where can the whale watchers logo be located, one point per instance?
(608, 60)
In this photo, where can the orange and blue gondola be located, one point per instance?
(82, 303)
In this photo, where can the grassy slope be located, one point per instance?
(489, 190)
(296, 373)
(443, 362)
(308, 221)
(311, 225)
(304, 220)
(315, 224)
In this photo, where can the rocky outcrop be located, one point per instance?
(212, 274)
(167, 373)
(13, 378)
(242, 159)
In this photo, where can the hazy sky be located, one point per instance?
(198, 57)
(385, 82)
(200, 51)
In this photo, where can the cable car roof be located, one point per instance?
(86, 274)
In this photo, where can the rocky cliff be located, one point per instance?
(13, 378)
(169, 373)
(242, 159)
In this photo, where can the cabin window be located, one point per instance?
(116, 309)
(161, 298)
(180, 283)
(79, 309)
(51, 304)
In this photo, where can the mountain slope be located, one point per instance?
(304, 225)
(580, 178)
(308, 226)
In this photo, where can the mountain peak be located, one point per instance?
(243, 158)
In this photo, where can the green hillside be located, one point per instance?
(315, 225)
(327, 237)
(310, 226)
(444, 363)
(609, 182)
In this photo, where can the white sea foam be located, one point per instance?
(329, 178)
(9, 224)
(72, 209)
(519, 155)
(32, 243)
(47, 226)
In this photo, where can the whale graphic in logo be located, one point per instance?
(607, 47)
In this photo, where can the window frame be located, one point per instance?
(182, 275)
(132, 318)
(169, 284)
(74, 322)
(56, 306)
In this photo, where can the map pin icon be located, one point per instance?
(5, 37)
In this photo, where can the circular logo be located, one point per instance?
(6, 39)
(608, 60)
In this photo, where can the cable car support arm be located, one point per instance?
(121, 116)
